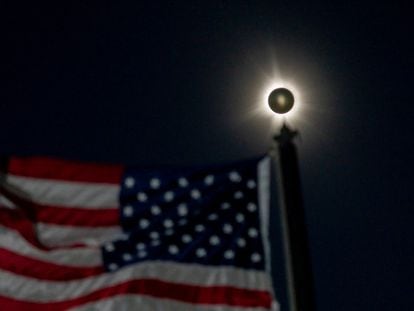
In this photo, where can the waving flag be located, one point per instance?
(87, 236)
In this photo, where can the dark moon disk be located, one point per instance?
(281, 100)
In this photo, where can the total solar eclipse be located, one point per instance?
(281, 100)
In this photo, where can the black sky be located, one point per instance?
(161, 83)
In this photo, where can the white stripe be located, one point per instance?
(6, 203)
(58, 235)
(64, 193)
(264, 179)
(146, 303)
(263, 173)
(76, 257)
(31, 289)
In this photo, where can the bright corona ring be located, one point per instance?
(281, 100)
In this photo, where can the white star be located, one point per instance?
(155, 243)
(212, 217)
(238, 195)
(229, 254)
(182, 182)
(154, 235)
(214, 240)
(155, 183)
(240, 218)
(169, 196)
(129, 182)
(235, 176)
(195, 194)
(225, 205)
(109, 247)
(251, 184)
(140, 246)
(168, 223)
(253, 233)
(209, 180)
(173, 249)
(251, 207)
(169, 232)
(186, 238)
(126, 257)
(256, 257)
(142, 254)
(142, 197)
(201, 252)
(113, 266)
(182, 222)
(199, 228)
(182, 209)
(241, 242)
(227, 228)
(144, 223)
(128, 211)
(155, 210)
(124, 236)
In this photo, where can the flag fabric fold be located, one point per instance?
(108, 237)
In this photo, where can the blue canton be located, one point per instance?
(204, 215)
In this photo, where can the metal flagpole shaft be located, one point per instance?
(299, 270)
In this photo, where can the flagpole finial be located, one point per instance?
(286, 134)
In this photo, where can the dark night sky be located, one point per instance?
(172, 84)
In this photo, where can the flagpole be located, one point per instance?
(295, 240)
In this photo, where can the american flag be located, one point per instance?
(107, 237)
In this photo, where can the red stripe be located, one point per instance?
(70, 216)
(214, 295)
(26, 206)
(17, 220)
(47, 168)
(59, 215)
(42, 270)
(80, 217)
